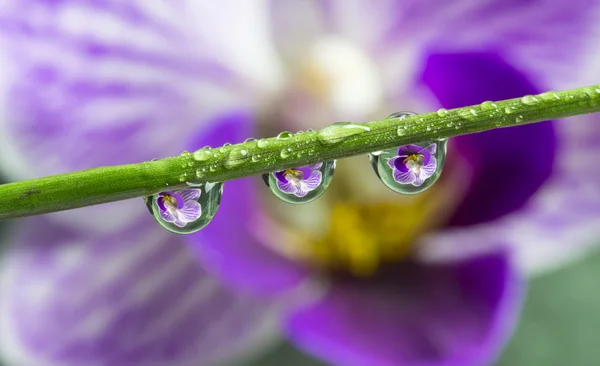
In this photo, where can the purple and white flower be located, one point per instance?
(179, 208)
(91, 83)
(299, 181)
(414, 164)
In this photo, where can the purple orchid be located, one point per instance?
(180, 207)
(414, 164)
(299, 181)
(99, 82)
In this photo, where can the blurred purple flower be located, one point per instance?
(100, 82)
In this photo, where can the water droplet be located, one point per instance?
(410, 169)
(262, 143)
(185, 153)
(519, 119)
(227, 144)
(213, 168)
(592, 93)
(182, 177)
(302, 184)
(339, 132)
(488, 106)
(186, 211)
(237, 156)
(250, 139)
(529, 100)
(442, 112)
(509, 110)
(310, 130)
(285, 135)
(550, 96)
(285, 153)
(256, 158)
(299, 132)
(199, 173)
(469, 114)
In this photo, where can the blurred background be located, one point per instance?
(495, 264)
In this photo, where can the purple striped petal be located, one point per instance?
(404, 177)
(237, 255)
(96, 83)
(286, 187)
(465, 79)
(559, 224)
(457, 314)
(136, 297)
(189, 194)
(191, 211)
(313, 182)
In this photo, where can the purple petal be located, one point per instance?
(179, 221)
(160, 202)
(237, 256)
(459, 313)
(85, 91)
(180, 201)
(313, 182)
(408, 150)
(280, 175)
(190, 212)
(301, 191)
(430, 168)
(400, 165)
(189, 195)
(432, 149)
(316, 166)
(133, 297)
(465, 79)
(287, 187)
(167, 216)
(404, 177)
(306, 171)
(426, 155)
(561, 223)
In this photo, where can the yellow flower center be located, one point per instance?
(358, 230)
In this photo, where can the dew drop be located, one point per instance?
(285, 135)
(212, 168)
(250, 139)
(256, 158)
(519, 119)
(410, 169)
(185, 153)
(470, 114)
(529, 100)
(186, 211)
(550, 96)
(488, 106)
(262, 143)
(285, 153)
(237, 156)
(301, 185)
(442, 112)
(510, 110)
(339, 132)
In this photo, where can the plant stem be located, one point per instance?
(107, 184)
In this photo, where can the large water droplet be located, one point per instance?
(303, 184)
(285, 135)
(188, 210)
(488, 106)
(202, 154)
(339, 132)
(262, 143)
(237, 156)
(442, 112)
(529, 100)
(410, 169)
(250, 139)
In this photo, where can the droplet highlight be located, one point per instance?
(285, 135)
(186, 211)
(237, 156)
(410, 169)
(301, 184)
(262, 143)
(340, 132)
(529, 100)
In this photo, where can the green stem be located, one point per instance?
(108, 184)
